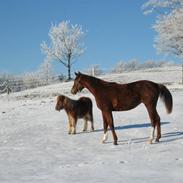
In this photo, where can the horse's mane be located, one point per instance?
(69, 103)
(97, 80)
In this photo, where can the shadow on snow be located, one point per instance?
(166, 137)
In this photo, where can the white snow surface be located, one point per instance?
(35, 146)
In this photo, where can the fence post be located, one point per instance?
(93, 71)
(182, 73)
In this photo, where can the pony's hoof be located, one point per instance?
(157, 140)
(150, 141)
(103, 141)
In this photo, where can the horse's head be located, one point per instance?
(77, 87)
(60, 102)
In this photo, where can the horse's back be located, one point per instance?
(148, 91)
(128, 96)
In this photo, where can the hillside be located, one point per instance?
(35, 146)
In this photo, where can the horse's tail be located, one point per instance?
(166, 96)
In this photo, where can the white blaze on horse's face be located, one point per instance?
(77, 87)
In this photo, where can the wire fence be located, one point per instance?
(11, 84)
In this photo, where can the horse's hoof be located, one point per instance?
(157, 140)
(115, 143)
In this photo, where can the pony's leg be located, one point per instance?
(90, 117)
(74, 122)
(92, 126)
(109, 120)
(85, 127)
(69, 125)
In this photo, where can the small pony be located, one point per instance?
(75, 109)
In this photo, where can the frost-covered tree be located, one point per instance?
(168, 25)
(45, 72)
(66, 44)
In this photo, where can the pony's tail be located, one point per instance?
(166, 96)
(91, 110)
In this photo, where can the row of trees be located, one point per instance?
(127, 66)
(45, 75)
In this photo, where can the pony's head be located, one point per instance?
(77, 87)
(60, 103)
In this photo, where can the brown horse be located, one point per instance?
(111, 96)
(81, 108)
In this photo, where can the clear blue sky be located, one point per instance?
(116, 30)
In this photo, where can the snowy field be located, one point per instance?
(35, 146)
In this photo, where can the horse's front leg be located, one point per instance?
(105, 137)
(108, 121)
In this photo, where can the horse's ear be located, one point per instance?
(76, 73)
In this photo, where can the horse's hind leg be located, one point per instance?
(155, 122)
(158, 125)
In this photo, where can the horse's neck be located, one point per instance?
(91, 85)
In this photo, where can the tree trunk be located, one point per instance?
(69, 67)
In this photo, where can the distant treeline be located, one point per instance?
(127, 66)
(45, 76)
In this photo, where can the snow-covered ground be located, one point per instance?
(35, 146)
